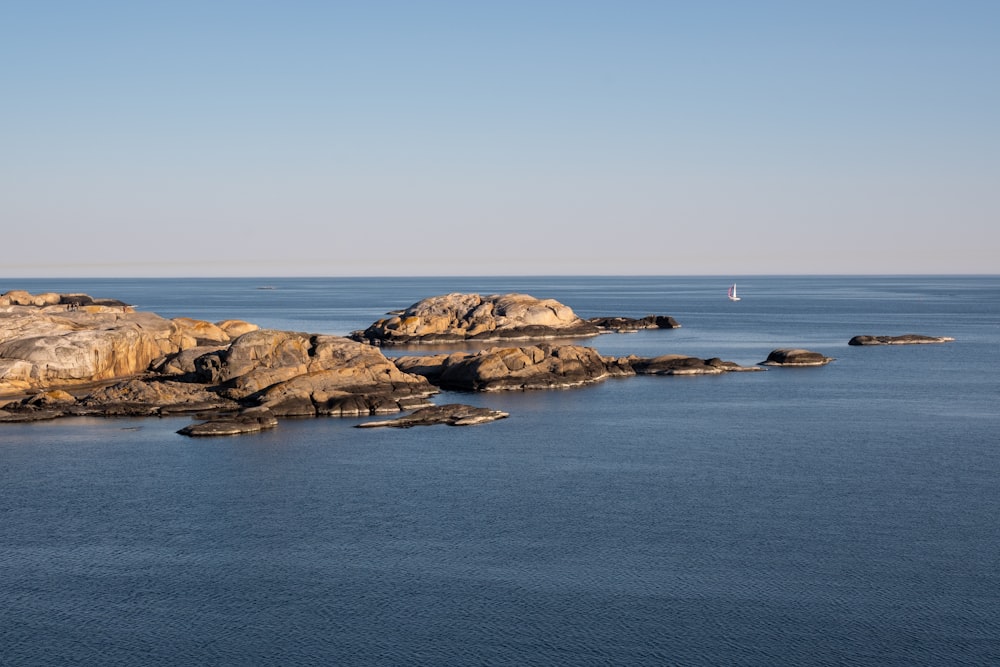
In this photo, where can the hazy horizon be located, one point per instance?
(445, 138)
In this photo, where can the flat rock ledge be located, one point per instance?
(905, 339)
(795, 357)
(677, 364)
(508, 317)
(251, 421)
(452, 414)
(629, 324)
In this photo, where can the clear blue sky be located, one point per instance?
(204, 138)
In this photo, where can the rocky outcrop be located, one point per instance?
(75, 355)
(248, 421)
(548, 366)
(79, 356)
(153, 396)
(795, 357)
(298, 374)
(905, 339)
(43, 347)
(74, 340)
(676, 364)
(23, 298)
(541, 366)
(460, 317)
(452, 414)
(628, 324)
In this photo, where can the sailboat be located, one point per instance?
(732, 293)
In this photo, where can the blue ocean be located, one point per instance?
(842, 515)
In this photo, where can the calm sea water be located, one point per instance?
(843, 515)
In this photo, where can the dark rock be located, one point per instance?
(12, 414)
(795, 357)
(905, 339)
(251, 421)
(541, 366)
(676, 364)
(623, 324)
(451, 414)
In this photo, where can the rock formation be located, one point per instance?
(628, 324)
(247, 421)
(451, 414)
(905, 339)
(74, 355)
(542, 366)
(676, 364)
(458, 317)
(547, 366)
(795, 357)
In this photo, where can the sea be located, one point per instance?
(847, 514)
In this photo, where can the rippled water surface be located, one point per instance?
(843, 515)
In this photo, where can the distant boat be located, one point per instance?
(732, 293)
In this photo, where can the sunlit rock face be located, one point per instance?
(72, 354)
(301, 374)
(70, 339)
(457, 317)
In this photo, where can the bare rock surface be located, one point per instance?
(795, 357)
(549, 366)
(542, 366)
(905, 339)
(251, 421)
(457, 317)
(628, 324)
(74, 355)
(298, 374)
(677, 364)
(452, 414)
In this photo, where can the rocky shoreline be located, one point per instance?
(74, 355)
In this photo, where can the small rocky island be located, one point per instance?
(74, 355)
(472, 317)
(452, 414)
(905, 339)
(795, 357)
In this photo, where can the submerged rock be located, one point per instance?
(905, 339)
(795, 357)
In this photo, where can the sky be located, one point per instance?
(482, 137)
